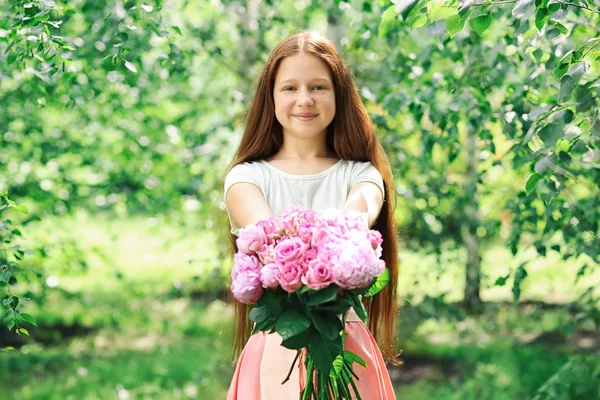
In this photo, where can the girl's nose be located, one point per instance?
(305, 97)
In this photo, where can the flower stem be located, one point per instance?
(287, 378)
(308, 392)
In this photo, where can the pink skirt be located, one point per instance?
(264, 364)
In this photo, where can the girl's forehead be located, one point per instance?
(302, 67)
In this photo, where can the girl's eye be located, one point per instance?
(320, 87)
(287, 89)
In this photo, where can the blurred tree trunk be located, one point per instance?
(470, 223)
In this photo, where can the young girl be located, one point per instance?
(309, 141)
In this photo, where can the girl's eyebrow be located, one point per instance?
(314, 79)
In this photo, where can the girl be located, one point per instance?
(309, 141)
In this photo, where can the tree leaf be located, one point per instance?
(550, 134)
(541, 17)
(388, 17)
(454, 24)
(437, 29)
(176, 29)
(531, 182)
(418, 21)
(561, 28)
(561, 70)
(481, 23)
(523, 9)
(130, 67)
(28, 318)
(22, 209)
(520, 275)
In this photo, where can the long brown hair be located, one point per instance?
(351, 135)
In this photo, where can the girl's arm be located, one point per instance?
(246, 204)
(365, 197)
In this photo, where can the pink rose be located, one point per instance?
(246, 287)
(270, 228)
(290, 276)
(251, 239)
(305, 232)
(244, 262)
(289, 250)
(266, 253)
(270, 276)
(318, 237)
(319, 275)
(309, 255)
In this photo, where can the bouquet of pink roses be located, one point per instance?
(304, 270)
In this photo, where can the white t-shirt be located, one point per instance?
(319, 191)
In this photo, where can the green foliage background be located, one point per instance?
(488, 111)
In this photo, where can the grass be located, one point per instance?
(150, 340)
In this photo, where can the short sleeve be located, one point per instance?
(240, 173)
(366, 172)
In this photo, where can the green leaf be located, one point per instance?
(11, 324)
(520, 275)
(325, 295)
(272, 302)
(553, 6)
(338, 364)
(550, 134)
(437, 29)
(176, 29)
(481, 23)
(531, 182)
(541, 17)
(351, 357)
(418, 21)
(291, 323)
(523, 9)
(329, 325)
(561, 70)
(23, 330)
(567, 84)
(324, 352)
(561, 28)
(378, 283)
(388, 17)
(298, 341)
(501, 281)
(552, 33)
(130, 66)
(578, 70)
(359, 308)
(454, 24)
(28, 318)
(5, 277)
(259, 314)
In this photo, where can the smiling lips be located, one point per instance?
(305, 116)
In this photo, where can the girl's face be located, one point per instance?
(304, 96)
